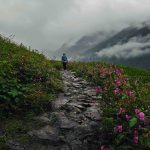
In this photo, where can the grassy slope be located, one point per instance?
(28, 84)
(142, 77)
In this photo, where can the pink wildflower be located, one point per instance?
(121, 110)
(98, 89)
(129, 93)
(141, 116)
(118, 82)
(127, 116)
(103, 147)
(137, 111)
(118, 72)
(116, 91)
(119, 129)
(136, 137)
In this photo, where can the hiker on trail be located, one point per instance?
(64, 61)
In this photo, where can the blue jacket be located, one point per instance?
(64, 59)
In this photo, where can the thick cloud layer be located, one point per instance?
(46, 25)
(137, 46)
(128, 50)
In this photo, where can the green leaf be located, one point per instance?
(13, 93)
(133, 122)
(123, 97)
(120, 137)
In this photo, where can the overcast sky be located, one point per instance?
(47, 24)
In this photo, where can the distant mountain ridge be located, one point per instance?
(122, 37)
(85, 42)
(130, 46)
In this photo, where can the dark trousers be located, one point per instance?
(64, 65)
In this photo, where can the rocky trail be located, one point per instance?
(73, 123)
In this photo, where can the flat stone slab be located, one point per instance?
(60, 102)
(93, 114)
(43, 119)
(65, 123)
(46, 133)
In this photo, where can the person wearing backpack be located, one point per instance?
(64, 61)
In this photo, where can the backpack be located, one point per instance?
(64, 59)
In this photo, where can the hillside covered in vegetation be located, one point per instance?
(27, 79)
(29, 82)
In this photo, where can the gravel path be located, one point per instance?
(73, 123)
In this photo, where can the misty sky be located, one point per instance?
(47, 24)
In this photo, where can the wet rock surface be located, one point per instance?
(73, 123)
